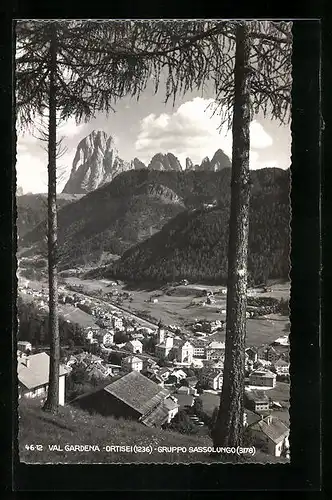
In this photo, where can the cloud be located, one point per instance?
(31, 157)
(69, 128)
(31, 173)
(192, 130)
(259, 138)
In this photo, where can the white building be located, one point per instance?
(185, 353)
(132, 363)
(24, 346)
(281, 367)
(262, 378)
(118, 323)
(105, 337)
(134, 346)
(163, 349)
(199, 348)
(213, 379)
(33, 377)
(215, 350)
(271, 433)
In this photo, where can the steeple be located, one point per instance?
(161, 333)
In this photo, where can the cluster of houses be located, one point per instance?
(150, 394)
(274, 357)
(148, 391)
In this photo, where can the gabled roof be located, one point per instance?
(132, 359)
(157, 416)
(252, 417)
(137, 391)
(216, 345)
(281, 362)
(184, 399)
(183, 342)
(257, 396)
(276, 431)
(135, 343)
(163, 370)
(252, 349)
(263, 373)
(37, 373)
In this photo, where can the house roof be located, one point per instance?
(198, 343)
(157, 416)
(137, 391)
(135, 343)
(276, 431)
(281, 362)
(170, 404)
(257, 396)
(216, 345)
(252, 417)
(183, 342)
(164, 370)
(37, 373)
(263, 373)
(184, 389)
(252, 349)
(184, 400)
(132, 359)
(192, 380)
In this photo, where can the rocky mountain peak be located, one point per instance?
(189, 164)
(96, 162)
(137, 164)
(165, 162)
(220, 160)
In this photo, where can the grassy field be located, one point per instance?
(75, 427)
(184, 306)
(210, 401)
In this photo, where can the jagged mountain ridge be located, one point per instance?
(97, 162)
(165, 162)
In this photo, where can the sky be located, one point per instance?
(149, 126)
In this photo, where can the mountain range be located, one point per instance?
(97, 162)
(167, 224)
(164, 222)
(131, 208)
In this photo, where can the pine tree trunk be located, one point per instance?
(229, 426)
(52, 400)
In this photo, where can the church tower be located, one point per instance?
(161, 333)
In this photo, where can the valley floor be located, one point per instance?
(183, 306)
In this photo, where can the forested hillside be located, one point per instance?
(137, 204)
(194, 244)
(32, 209)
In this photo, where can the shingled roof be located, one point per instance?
(137, 391)
(37, 373)
(276, 430)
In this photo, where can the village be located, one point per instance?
(160, 375)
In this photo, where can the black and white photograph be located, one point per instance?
(153, 241)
